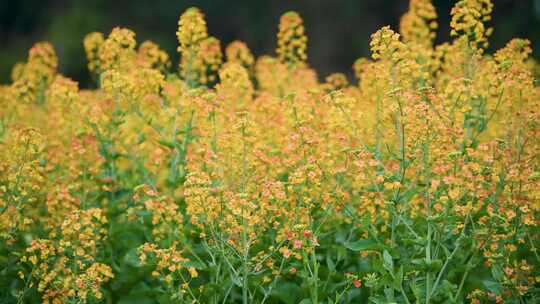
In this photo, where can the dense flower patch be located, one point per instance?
(237, 179)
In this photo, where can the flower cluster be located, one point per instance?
(238, 52)
(292, 40)
(468, 17)
(65, 266)
(33, 77)
(243, 179)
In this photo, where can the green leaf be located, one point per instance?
(330, 263)
(362, 245)
(136, 299)
(497, 272)
(196, 264)
(287, 293)
(435, 265)
(166, 143)
(492, 286)
(398, 279)
(388, 263)
(377, 300)
(389, 293)
(132, 258)
(140, 295)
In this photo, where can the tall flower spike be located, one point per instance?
(191, 31)
(235, 85)
(292, 40)
(43, 53)
(417, 25)
(118, 50)
(386, 44)
(149, 55)
(37, 74)
(205, 66)
(92, 42)
(238, 52)
(468, 17)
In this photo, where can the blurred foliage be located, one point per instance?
(338, 30)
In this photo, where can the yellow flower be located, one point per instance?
(292, 40)
(193, 272)
(92, 43)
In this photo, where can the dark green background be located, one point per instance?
(338, 29)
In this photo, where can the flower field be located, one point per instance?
(230, 178)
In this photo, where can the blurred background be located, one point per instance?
(338, 30)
